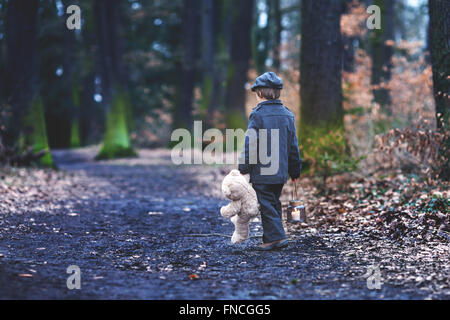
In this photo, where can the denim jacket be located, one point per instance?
(254, 158)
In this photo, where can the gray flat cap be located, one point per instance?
(268, 80)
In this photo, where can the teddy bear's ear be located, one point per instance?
(235, 172)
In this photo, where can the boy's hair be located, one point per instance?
(269, 93)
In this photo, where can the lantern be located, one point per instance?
(296, 212)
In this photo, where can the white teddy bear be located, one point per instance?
(244, 206)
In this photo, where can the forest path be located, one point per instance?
(128, 224)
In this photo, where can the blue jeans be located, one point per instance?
(271, 213)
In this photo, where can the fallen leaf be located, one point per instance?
(193, 276)
(25, 275)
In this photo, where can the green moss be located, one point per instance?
(324, 150)
(206, 94)
(75, 140)
(116, 142)
(128, 113)
(230, 72)
(75, 96)
(115, 152)
(35, 133)
(236, 120)
(313, 128)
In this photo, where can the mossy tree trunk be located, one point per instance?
(70, 82)
(37, 136)
(75, 136)
(91, 114)
(26, 125)
(320, 67)
(439, 38)
(320, 71)
(240, 61)
(116, 142)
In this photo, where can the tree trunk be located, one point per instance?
(382, 53)
(320, 67)
(116, 142)
(240, 60)
(92, 114)
(70, 81)
(26, 127)
(348, 54)
(278, 28)
(439, 38)
(107, 20)
(223, 21)
(190, 31)
(210, 71)
(261, 39)
(3, 68)
(348, 58)
(22, 74)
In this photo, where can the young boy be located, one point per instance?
(270, 114)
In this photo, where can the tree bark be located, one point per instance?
(22, 17)
(110, 47)
(261, 39)
(439, 37)
(92, 114)
(320, 66)
(240, 60)
(278, 28)
(348, 58)
(382, 53)
(222, 26)
(116, 142)
(70, 81)
(210, 70)
(190, 54)
(3, 68)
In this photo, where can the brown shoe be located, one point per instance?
(273, 245)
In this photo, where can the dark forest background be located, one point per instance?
(138, 69)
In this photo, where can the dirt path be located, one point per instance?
(128, 224)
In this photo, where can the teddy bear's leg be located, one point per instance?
(230, 210)
(241, 229)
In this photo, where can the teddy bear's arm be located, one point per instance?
(231, 209)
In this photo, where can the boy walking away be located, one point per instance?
(274, 128)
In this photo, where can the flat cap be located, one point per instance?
(268, 80)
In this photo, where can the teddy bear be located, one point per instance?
(244, 204)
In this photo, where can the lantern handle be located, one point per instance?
(294, 197)
(295, 191)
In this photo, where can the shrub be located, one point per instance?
(326, 154)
